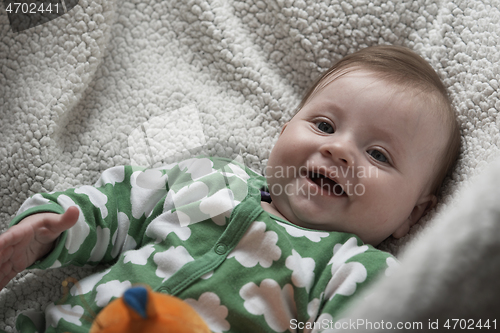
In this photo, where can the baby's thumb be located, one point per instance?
(67, 220)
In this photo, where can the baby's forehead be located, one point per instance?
(421, 124)
(394, 81)
(422, 100)
(415, 107)
(399, 110)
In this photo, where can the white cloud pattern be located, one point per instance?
(189, 194)
(148, 179)
(238, 172)
(257, 246)
(56, 264)
(343, 252)
(312, 311)
(139, 257)
(34, 201)
(313, 236)
(71, 314)
(221, 202)
(323, 318)
(121, 240)
(96, 197)
(345, 279)
(197, 167)
(111, 176)
(101, 244)
(171, 261)
(275, 304)
(303, 270)
(88, 283)
(345, 276)
(210, 309)
(392, 265)
(76, 234)
(165, 224)
(109, 290)
(144, 199)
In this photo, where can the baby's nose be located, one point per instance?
(341, 151)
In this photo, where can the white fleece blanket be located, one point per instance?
(146, 82)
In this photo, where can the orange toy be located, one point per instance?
(142, 310)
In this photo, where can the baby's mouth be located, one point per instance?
(327, 184)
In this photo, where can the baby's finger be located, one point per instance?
(5, 239)
(10, 237)
(65, 221)
(5, 254)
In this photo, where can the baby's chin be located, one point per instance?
(313, 224)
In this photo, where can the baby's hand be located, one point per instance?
(30, 240)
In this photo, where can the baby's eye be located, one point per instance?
(377, 155)
(323, 126)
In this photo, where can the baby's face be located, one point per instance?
(359, 157)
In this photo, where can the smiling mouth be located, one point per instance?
(327, 184)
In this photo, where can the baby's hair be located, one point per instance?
(403, 67)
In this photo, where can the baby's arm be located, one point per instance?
(30, 240)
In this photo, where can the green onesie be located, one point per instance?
(196, 229)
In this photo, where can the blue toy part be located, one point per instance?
(137, 299)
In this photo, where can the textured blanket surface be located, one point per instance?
(147, 82)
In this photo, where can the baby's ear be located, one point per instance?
(421, 208)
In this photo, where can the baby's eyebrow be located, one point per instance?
(332, 108)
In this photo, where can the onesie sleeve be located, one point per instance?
(112, 214)
(349, 281)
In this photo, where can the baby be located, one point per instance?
(362, 159)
